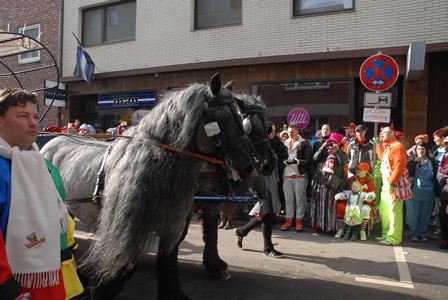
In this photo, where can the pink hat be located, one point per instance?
(335, 138)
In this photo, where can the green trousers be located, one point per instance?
(378, 181)
(391, 214)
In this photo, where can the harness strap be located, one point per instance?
(209, 159)
(99, 186)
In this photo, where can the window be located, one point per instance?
(108, 23)
(211, 13)
(306, 7)
(34, 56)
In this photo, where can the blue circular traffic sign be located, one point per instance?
(379, 72)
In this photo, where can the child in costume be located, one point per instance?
(367, 182)
(357, 211)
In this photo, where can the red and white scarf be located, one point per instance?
(36, 219)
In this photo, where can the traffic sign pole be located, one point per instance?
(375, 124)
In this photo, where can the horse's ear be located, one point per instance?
(229, 85)
(215, 84)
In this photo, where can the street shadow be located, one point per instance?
(311, 235)
(266, 285)
(251, 285)
(362, 267)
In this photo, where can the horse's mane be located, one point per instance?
(148, 189)
(174, 119)
(250, 103)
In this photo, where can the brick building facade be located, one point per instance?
(310, 60)
(43, 16)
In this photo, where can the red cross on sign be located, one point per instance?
(379, 72)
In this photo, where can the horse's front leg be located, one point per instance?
(167, 267)
(211, 260)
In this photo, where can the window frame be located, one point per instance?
(196, 27)
(103, 29)
(330, 11)
(28, 60)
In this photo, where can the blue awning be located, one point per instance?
(127, 100)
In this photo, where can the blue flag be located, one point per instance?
(84, 65)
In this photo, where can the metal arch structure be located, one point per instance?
(16, 43)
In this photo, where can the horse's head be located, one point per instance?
(256, 126)
(224, 131)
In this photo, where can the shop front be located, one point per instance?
(129, 107)
(108, 110)
(329, 89)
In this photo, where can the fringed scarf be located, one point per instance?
(36, 219)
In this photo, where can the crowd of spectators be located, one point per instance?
(356, 183)
(86, 129)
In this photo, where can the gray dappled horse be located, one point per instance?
(213, 181)
(148, 190)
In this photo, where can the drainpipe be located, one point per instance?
(60, 44)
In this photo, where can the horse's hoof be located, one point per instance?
(221, 275)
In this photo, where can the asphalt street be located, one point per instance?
(315, 266)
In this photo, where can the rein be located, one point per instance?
(208, 159)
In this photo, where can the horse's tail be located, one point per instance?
(124, 230)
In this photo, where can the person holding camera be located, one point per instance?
(328, 181)
(295, 177)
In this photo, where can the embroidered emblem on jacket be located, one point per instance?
(33, 241)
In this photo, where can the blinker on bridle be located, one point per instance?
(247, 125)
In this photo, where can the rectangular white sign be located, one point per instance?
(379, 115)
(51, 83)
(56, 103)
(380, 99)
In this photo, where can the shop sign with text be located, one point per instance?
(127, 100)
